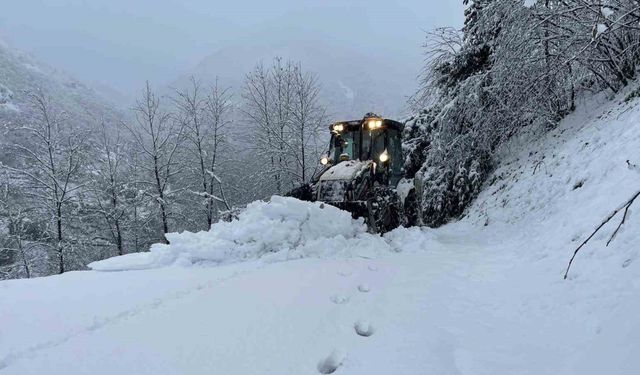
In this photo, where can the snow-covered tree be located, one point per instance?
(16, 230)
(107, 181)
(206, 117)
(52, 164)
(158, 136)
(514, 65)
(306, 121)
(283, 113)
(263, 130)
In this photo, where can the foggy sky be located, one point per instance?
(121, 43)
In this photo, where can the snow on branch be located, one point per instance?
(206, 195)
(624, 206)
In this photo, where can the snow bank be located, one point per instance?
(282, 229)
(555, 188)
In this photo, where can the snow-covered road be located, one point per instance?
(459, 308)
(284, 318)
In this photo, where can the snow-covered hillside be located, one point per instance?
(21, 73)
(484, 295)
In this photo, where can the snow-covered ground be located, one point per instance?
(484, 295)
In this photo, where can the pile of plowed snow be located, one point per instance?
(281, 229)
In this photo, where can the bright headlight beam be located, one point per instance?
(374, 124)
(384, 156)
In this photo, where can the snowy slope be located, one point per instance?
(484, 295)
(21, 73)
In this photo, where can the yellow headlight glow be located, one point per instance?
(324, 160)
(384, 156)
(374, 124)
(338, 128)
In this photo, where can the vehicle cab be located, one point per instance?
(372, 139)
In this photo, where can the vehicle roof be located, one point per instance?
(358, 123)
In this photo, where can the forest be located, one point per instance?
(75, 192)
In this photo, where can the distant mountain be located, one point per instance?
(353, 82)
(20, 74)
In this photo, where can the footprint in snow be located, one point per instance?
(339, 299)
(363, 328)
(372, 268)
(345, 273)
(330, 364)
(364, 288)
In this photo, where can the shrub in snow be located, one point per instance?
(451, 177)
(284, 228)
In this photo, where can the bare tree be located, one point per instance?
(107, 181)
(52, 164)
(16, 240)
(257, 95)
(218, 110)
(205, 117)
(158, 137)
(137, 201)
(440, 47)
(307, 117)
(281, 77)
(283, 110)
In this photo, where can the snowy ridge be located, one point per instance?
(20, 73)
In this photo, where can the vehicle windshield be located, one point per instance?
(361, 143)
(345, 143)
(372, 144)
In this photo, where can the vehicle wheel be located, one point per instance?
(411, 208)
(385, 211)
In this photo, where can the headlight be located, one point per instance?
(374, 124)
(384, 156)
(338, 128)
(324, 160)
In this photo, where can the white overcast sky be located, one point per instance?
(121, 43)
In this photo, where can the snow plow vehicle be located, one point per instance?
(362, 173)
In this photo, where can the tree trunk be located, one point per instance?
(119, 238)
(60, 246)
(25, 264)
(161, 202)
